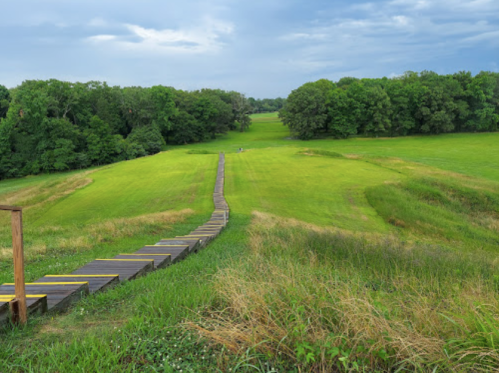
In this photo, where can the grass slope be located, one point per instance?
(167, 181)
(321, 190)
(351, 255)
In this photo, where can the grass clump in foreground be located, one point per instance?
(313, 299)
(464, 214)
(137, 326)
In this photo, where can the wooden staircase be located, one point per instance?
(55, 293)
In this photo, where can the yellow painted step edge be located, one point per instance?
(81, 276)
(196, 235)
(27, 296)
(165, 245)
(147, 254)
(53, 283)
(127, 260)
(176, 238)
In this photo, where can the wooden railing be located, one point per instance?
(18, 305)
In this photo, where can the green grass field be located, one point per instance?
(402, 234)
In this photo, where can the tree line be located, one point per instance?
(414, 103)
(266, 105)
(53, 125)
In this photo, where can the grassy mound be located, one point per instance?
(313, 299)
(321, 152)
(365, 255)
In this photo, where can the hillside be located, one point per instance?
(361, 246)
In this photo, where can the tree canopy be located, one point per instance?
(52, 125)
(414, 103)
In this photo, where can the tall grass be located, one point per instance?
(134, 327)
(466, 216)
(316, 300)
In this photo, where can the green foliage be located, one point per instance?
(305, 112)
(51, 126)
(188, 129)
(164, 108)
(100, 141)
(148, 137)
(342, 114)
(4, 101)
(241, 108)
(266, 105)
(411, 104)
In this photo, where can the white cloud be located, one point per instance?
(204, 38)
(101, 38)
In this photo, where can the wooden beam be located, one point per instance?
(10, 208)
(14, 311)
(17, 245)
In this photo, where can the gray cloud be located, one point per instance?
(260, 48)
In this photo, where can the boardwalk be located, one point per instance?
(58, 292)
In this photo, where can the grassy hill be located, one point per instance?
(374, 253)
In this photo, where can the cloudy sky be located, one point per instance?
(261, 48)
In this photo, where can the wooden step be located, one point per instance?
(202, 239)
(36, 305)
(95, 282)
(176, 252)
(209, 229)
(160, 260)
(59, 294)
(193, 243)
(126, 269)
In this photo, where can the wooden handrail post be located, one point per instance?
(18, 305)
(18, 247)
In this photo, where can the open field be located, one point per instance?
(264, 116)
(374, 253)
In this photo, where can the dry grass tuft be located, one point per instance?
(297, 302)
(128, 227)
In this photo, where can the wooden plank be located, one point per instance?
(193, 244)
(52, 283)
(202, 241)
(35, 305)
(96, 283)
(10, 208)
(210, 232)
(59, 295)
(76, 276)
(28, 296)
(17, 245)
(160, 260)
(126, 269)
(176, 252)
(4, 305)
(198, 235)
